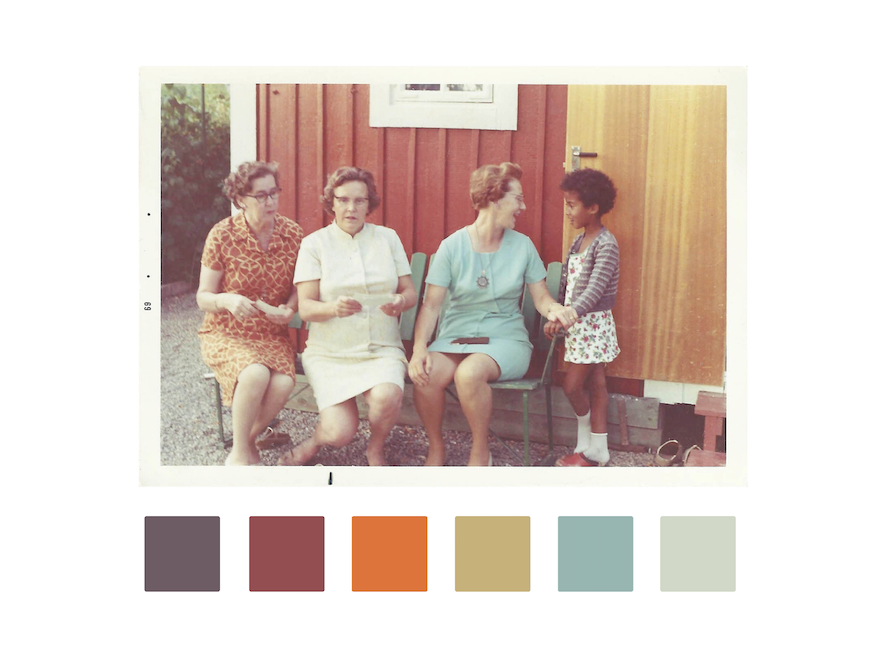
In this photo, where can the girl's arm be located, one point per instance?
(604, 267)
(548, 308)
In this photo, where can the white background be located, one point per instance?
(809, 564)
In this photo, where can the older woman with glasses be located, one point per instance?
(247, 293)
(484, 268)
(353, 281)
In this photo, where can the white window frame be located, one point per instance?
(388, 108)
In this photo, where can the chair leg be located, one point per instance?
(550, 410)
(218, 410)
(526, 460)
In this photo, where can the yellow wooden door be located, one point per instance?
(665, 149)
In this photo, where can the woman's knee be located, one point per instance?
(254, 378)
(338, 430)
(282, 383)
(468, 376)
(385, 400)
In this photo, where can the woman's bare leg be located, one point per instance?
(336, 428)
(276, 396)
(430, 402)
(472, 379)
(252, 384)
(384, 401)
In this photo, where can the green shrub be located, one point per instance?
(195, 156)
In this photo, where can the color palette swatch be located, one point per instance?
(389, 553)
(286, 553)
(492, 553)
(698, 553)
(182, 553)
(595, 553)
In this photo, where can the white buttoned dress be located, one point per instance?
(346, 356)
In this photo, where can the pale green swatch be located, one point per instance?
(698, 553)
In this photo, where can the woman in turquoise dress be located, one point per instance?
(482, 338)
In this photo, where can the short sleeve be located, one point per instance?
(440, 271)
(535, 268)
(212, 257)
(401, 262)
(307, 266)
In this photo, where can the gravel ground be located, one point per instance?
(189, 430)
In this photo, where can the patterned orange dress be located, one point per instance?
(227, 344)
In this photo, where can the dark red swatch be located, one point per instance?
(286, 553)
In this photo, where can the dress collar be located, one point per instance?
(342, 235)
(242, 232)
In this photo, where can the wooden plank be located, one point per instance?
(429, 216)
(641, 412)
(460, 163)
(711, 404)
(528, 150)
(281, 144)
(309, 179)
(338, 127)
(551, 203)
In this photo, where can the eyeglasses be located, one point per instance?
(358, 202)
(262, 197)
(518, 197)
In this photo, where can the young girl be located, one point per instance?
(588, 285)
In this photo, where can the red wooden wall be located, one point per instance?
(422, 173)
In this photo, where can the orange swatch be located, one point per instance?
(389, 553)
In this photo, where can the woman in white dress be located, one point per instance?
(353, 281)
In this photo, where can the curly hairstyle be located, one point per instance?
(490, 183)
(344, 175)
(239, 182)
(592, 186)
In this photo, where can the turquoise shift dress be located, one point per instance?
(492, 312)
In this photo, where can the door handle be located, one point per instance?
(577, 154)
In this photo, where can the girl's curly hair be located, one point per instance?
(592, 186)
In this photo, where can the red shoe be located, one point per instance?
(575, 460)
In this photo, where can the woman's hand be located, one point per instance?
(238, 305)
(420, 367)
(394, 308)
(552, 329)
(565, 315)
(283, 315)
(346, 306)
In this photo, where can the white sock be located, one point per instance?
(599, 448)
(583, 439)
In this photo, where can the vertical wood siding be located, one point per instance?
(422, 173)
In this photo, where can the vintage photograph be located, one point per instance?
(527, 277)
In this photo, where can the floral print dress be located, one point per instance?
(592, 338)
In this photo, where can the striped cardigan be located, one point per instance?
(598, 280)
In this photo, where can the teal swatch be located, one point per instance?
(698, 553)
(595, 553)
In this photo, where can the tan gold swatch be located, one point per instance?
(492, 553)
